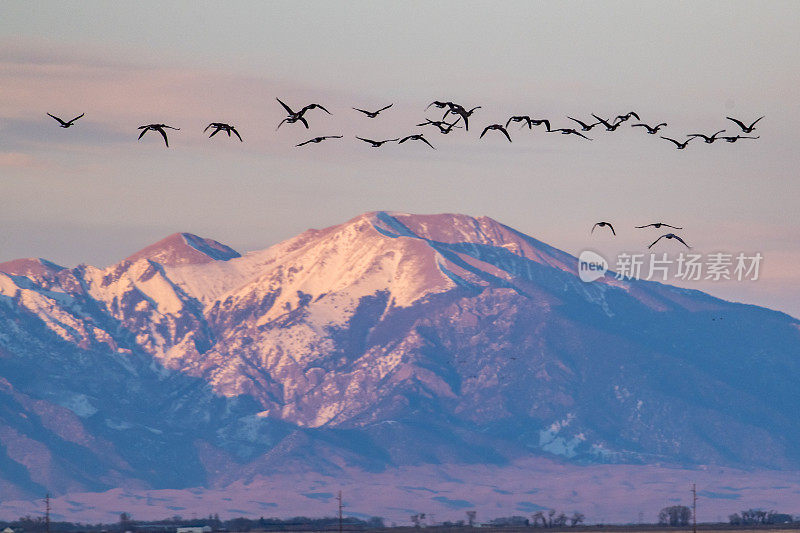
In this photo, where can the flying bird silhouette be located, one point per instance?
(156, 127)
(316, 140)
(528, 121)
(669, 236)
(456, 109)
(221, 126)
(444, 127)
(373, 114)
(680, 146)
(440, 105)
(745, 128)
(375, 144)
(68, 123)
(607, 124)
(568, 131)
(602, 225)
(652, 130)
(626, 116)
(658, 225)
(417, 137)
(706, 138)
(584, 126)
(297, 116)
(737, 137)
(498, 127)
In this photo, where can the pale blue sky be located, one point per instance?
(93, 194)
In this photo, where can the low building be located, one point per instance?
(194, 529)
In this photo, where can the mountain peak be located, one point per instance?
(184, 249)
(29, 266)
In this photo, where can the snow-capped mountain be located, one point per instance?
(389, 340)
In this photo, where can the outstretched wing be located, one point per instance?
(603, 122)
(365, 112)
(366, 140)
(612, 227)
(163, 134)
(235, 133)
(681, 240)
(384, 108)
(286, 107)
(583, 124)
(423, 139)
(484, 132)
(671, 140)
(580, 134)
(144, 129)
(503, 130)
(655, 241)
(304, 121)
(58, 119)
(314, 106)
(209, 126)
(739, 122)
(645, 226)
(76, 118)
(215, 132)
(754, 123)
(304, 143)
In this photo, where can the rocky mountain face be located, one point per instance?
(389, 340)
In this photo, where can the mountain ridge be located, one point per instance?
(351, 344)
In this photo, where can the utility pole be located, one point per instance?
(340, 510)
(47, 512)
(694, 508)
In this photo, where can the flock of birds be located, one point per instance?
(459, 114)
(656, 225)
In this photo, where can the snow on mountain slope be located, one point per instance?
(184, 249)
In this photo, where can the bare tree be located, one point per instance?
(471, 518)
(576, 518)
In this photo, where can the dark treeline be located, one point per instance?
(29, 524)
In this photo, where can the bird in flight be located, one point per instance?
(737, 137)
(626, 116)
(68, 123)
(602, 225)
(567, 131)
(498, 127)
(444, 127)
(456, 109)
(658, 225)
(584, 126)
(319, 139)
(745, 129)
(373, 114)
(652, 130)
(680, 146)
(706, 138)
(440, 105)
(607, 124)
(221, 126)
(417, 137)
(376, 144)
(156, 127)
(297, 116)
(669, 236)
(528, 121)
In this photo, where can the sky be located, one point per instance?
(94, 194)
